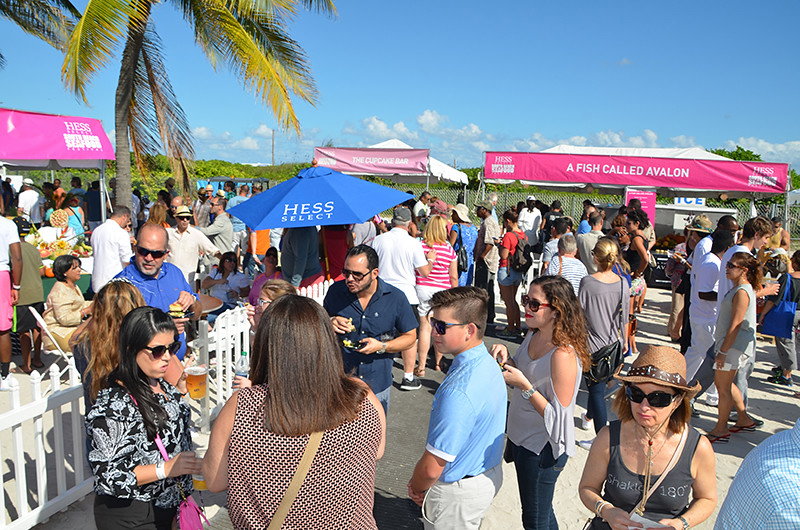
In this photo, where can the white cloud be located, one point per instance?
(262, 130)
(202, 133)
(787, 152)
(625, 62)
(249, 143)
(377, 128)
(683, 141)
(620, 139)
(431, 121)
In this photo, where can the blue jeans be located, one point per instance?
(384, 397)
(596, 405)
(536, 477)
(249, 265)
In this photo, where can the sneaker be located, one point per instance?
(411, 384)
(586, 444)
(777, 370)
(507, 334)
(780, 380)
(5, 384)
(712, 401)
(586, 423)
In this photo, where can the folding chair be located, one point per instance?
(43, 326)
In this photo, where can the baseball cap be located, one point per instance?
(530, 198)
(24, 227)
(27, 181)
(700, 223)
(438, 206)
(183, 211)
(486, 204)
(402, 214)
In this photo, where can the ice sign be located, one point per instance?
(690, 201)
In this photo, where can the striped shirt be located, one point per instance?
(439, 275)
(572, 270)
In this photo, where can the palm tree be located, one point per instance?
(48, 20)
(247, 36)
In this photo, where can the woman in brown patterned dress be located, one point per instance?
(299, 388)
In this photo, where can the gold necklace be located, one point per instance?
(649, 463)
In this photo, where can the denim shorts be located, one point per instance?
(508, 276)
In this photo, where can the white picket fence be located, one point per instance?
(52, 448)
(230, 336)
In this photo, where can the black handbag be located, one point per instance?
(461, 254)
(607, 360)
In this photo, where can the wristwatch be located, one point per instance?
(528, 393)
(383, 348)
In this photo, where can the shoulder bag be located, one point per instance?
(608, 359)
(297, 481)
(461, 253)
(779, 322)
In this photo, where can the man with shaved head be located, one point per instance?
(160, 283)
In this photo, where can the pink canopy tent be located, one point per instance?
(32, 140)
(398, 165)
(671, 172)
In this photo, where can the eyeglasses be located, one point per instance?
(262, 303)
(532, 304)
(158, 351)
(658, 400)
(157, 254)
(357, 276)
(440, 326)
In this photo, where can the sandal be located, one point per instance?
(419, 372)
(723, 439)
(22, 370)
(38, 365)
(437, 367)
(744, 428)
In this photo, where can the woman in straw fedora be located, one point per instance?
(651, 438)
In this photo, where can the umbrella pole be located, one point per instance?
(325, 254)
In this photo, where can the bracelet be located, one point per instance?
(160, 473)
(683, 519)
(599, 507)
(16, 287)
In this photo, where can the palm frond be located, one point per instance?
(49, 21)
(95, 37)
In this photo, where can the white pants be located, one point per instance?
(702, 340)
(461, 505)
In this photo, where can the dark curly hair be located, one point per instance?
(570, 324)
(639, 216)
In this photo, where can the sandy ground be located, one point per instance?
(773, 403)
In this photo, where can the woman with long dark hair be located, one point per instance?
(507, 278)
(300, 396)
(547, 371)
(132, 419)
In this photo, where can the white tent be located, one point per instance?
(438, 169)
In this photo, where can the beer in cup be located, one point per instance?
(196, 381)
(198, 480)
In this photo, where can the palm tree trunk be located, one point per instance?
(122, 102)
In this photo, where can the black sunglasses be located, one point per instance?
(157, 254)
(658, 400)
(532, 304)
(440, 326)
(158, 351)
(357, 276)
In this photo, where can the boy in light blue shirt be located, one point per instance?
(459, 474)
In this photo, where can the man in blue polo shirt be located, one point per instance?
(161, 284)
(460, 469)
(374, 316)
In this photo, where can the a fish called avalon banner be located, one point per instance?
(639, 171)
(317, 196)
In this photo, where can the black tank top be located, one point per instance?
(632, 255)
(623, 488)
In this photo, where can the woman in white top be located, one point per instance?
(547, 370)
(226, 284)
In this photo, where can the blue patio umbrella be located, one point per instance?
(317, 196)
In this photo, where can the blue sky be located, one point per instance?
(464, 77)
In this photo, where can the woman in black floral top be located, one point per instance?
(135, 487)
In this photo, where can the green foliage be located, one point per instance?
(741, 154)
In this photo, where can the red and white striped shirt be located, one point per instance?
(439, 275)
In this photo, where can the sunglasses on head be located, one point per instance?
(440, 326)
(158, 351)
(658, 400)
(144, 252)
(532, 304)
(357, 276)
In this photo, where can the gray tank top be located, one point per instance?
(746, 338)
(623, 488)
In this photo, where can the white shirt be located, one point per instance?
(28, 202)
(421, 210)
(185, 249)
(702, 248)
(529, 222)
(235, 282)
(724, 284)
(706, 278)
(112, 250)
(399, 255)
(8, 236)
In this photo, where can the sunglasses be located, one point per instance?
(532, 304)
(230, 260)
(144, 252)
(184, 218)
(263, 303)
(440, 326)
(730, 265)
(158, 351)
(658, 400)
(357, 276)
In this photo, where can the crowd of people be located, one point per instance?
(297, 443)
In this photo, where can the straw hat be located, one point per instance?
(660, 365)
(462, 212)
(701, 223)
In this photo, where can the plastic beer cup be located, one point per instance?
(198, 480)
(196, 381)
